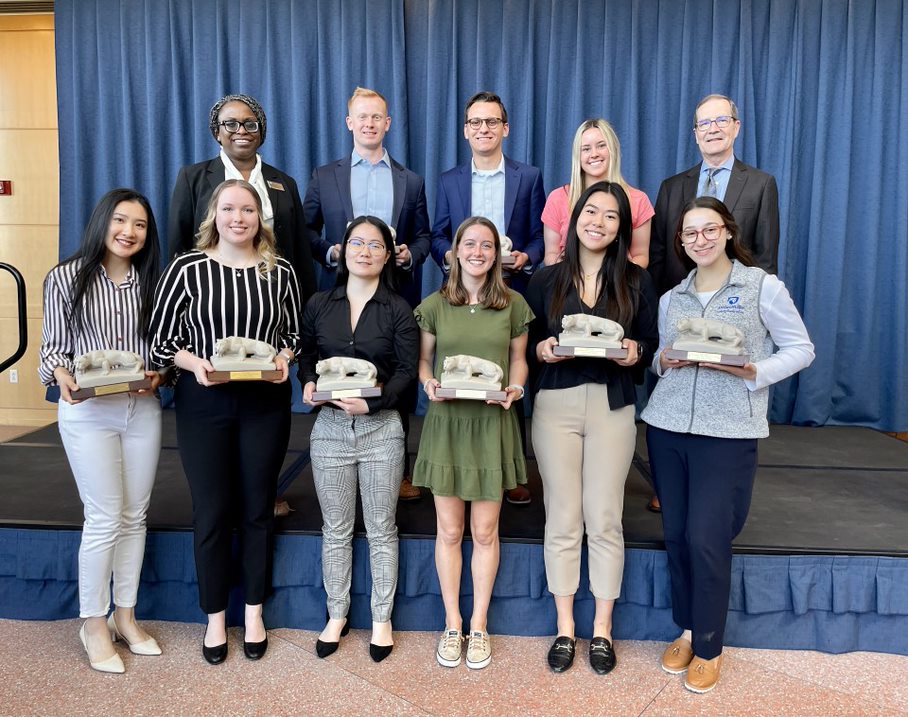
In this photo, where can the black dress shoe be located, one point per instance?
(214, 655)
(602, 656)
(561, 653)
(255, 650)
(323, 649)
(379, 652)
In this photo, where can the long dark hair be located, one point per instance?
(93, 249)
(386, 278)
(734, 249)
(618, 277)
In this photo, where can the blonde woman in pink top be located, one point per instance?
(595, 156)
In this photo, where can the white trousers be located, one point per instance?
(113, 444)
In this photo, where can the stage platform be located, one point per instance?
(821, 564)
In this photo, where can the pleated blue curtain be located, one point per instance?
(820, 85)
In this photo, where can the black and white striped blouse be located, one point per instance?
(199, 301)
(110, 319)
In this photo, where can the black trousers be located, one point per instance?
(232, 439)
(705, 485)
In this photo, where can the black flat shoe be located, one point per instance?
(323, 649)
(602, 656)
(255, 650)
(214, 655)
(379, 652)
(561, 653)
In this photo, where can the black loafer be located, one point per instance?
(214, 655)
(602, 656)
(255, 650)
(561, 653)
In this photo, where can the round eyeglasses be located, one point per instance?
(710, 232)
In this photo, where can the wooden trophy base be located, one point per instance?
(471, 394)
(590, 352)
(368, 392)
(706, 357)
(272, 375)
(111, 388)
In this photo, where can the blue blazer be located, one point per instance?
(524, 199)
(328, 206)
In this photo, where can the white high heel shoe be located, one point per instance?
(148, 647)
(112, 664)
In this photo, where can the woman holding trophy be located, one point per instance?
(470, 450)
(583, 419)
(98, 301)
(232, 435)
(361, 321)
(705, 417)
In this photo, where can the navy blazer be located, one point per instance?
(753, 199)
(524, 199)
(193, 189)
(328, 206)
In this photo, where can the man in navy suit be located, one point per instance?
(508, 193)
(369, 181)
(751, 195)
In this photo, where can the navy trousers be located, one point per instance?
(705, 486)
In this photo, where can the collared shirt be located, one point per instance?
(721, 177)
(110, 319)
(199, 301)
(386, 334)
(371, 187)
(487, 194)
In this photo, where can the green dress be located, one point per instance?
(470, 449)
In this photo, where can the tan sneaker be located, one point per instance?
(702, 675)
(677, 656)
(408, 491)
(449, 648)
(479, 650)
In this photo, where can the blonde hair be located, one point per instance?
(367, 93)
(614, 159)
(494, 292)
(264, 242)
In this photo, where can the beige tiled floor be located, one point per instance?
(43, 671)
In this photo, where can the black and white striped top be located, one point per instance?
(110, 319)
(199, 301)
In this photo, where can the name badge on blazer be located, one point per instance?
(277, 186)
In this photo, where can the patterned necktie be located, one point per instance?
(712, 187)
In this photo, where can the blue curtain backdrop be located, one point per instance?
(821, 86)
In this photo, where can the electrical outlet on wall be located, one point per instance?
(13, 376)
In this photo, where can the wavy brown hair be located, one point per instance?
(494, 292)
(734, 249)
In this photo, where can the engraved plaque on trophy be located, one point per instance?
(705, 340)
(345, 377)
(507, 246)
(240, 359)
(471, 377)
(103, 372)
(593, 336)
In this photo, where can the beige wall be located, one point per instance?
(29, 219)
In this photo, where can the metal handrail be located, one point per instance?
(23, 318)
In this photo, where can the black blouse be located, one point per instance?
(577, 371)
(386, 334)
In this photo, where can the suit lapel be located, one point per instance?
(342, 177)
(691, 183)
(269, 174)
(511, 186)
(736, 182)
(215, 172)
(399, 187)
(466, 189)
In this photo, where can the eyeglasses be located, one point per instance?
(490, 122)
(374, 247)
(722, 121)
(710, 233)
(251, 126)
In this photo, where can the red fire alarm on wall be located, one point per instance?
(6, 187)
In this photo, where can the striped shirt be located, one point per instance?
(199, 301)
(110, 319)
